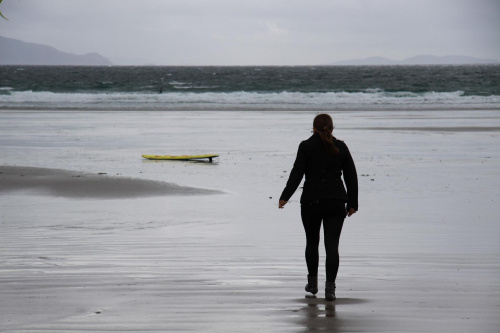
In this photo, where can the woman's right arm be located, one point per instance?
(296, 175)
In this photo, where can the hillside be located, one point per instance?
(16, 52)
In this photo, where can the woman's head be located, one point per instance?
(323, 126)
(322, 123)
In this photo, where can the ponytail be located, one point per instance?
(323, 124)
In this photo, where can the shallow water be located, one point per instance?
(422, 254)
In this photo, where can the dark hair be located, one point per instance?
(323, 124)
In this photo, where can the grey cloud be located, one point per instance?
(231, 32)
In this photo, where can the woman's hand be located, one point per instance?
(282, 204)
(350, 212)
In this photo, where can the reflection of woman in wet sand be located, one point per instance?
(322, 159)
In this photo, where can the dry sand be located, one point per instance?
(421, 255)
(73, 184)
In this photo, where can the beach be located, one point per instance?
(94, 238)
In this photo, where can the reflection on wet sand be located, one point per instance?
(317, 314)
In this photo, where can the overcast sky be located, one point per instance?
(256, 32)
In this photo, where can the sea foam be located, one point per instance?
(370, 99)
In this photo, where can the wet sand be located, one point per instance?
(439, 129)
(87, 252)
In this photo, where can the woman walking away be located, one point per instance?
(322, 159)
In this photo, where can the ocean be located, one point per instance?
(303, 88)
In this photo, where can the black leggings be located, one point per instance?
(332, 214)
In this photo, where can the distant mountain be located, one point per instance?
(367, 61)
(16, 52)
(418, 60)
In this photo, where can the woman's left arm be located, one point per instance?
(351, 182)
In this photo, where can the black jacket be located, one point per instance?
(323, 172)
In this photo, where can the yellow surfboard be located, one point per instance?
(180, 157)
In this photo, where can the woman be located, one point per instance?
(322, 159)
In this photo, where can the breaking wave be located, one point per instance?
(366, 100)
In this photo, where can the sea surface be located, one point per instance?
(439, 87)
